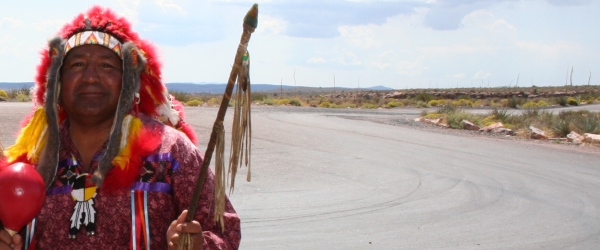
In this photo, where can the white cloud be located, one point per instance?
(317, 60)
(481, 75)
(485, 19)
(362, 36)
(411, 68)
(8, 22)
(456, 76)
(271, 25)
(550, 50)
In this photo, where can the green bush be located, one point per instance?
(587, 124)
(542, 103)
(283, 102)
(447, 109)
(572, 101)
(269, 101)
(425, 97)
(325, 105)
(182, 97)
(422, 104)
(258, 96)
(454, 119)
(393, 104)
(560, 127)
(369, 106)
(462, 103)
(213, 101)
(194, 103)
(295, 102)
(529, 104)
(434, 103)
(3, 94)
(22, 97)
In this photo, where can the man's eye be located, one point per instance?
(77, 64)
(106, 65)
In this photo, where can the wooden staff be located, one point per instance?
(250, 24)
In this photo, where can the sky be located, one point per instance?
(400, 44)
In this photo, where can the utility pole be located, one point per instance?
(334, 83)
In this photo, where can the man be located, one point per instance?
(118, 161)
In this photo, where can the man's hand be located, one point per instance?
(14, 242)
(179, 226)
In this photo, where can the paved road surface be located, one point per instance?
(323, 181)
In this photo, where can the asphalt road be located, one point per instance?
(335, 179)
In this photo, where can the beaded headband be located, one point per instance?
(94, 38)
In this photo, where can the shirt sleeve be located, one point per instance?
(184, 180)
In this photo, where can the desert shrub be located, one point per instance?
(481, 103)
(499, 114)
(454, 119)
(3, 94)
(393, 104)
(295, 102)
(283, 102)
(422, 104)
(369, 106)
(447, 109)
(587, 124)
(194, 103)
(425, 97)
(529, 105)
(432, 115)
(213, 101)
(542, 103)
(462, 103)
(561, 100)
(269, 101)
(183, 97)
(514, 102)
(324, 105)
(560, 127)
(433, 103)
(21, 97)
(504, 103)
(442, 102)
(258, 96)
(572, 101)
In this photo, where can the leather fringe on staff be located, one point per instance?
(241, 131)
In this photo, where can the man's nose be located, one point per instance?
(90, 73)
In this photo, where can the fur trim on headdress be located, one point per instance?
(133, 64)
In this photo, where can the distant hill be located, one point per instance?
(15, 85)
(216, 88)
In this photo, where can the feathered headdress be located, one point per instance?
(142, 93)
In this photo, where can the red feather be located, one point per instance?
(147, 142)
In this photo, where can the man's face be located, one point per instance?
(90, 82)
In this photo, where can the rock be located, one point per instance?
(574, 137)
(505, 131)
(468, 125)
(492, 127)
(591, 138)
(537, 133)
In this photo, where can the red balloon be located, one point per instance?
(22, 194)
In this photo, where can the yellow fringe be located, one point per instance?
(31, 140)
(135, 126)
